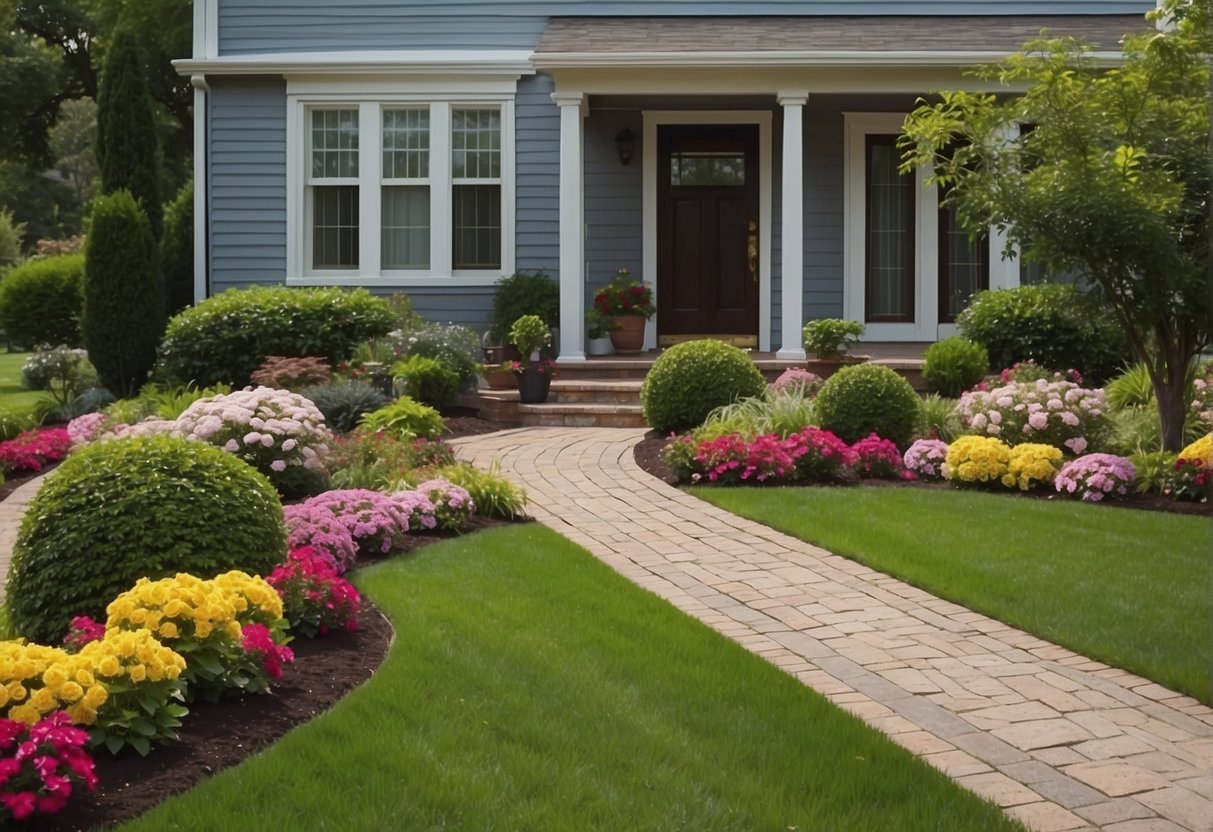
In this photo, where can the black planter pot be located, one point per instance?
(533, 385)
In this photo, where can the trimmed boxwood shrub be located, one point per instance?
(1055, 325)
(40, 302)
(868, 398)
(119, 510)
(690, 380)
(226, 337)
(953, 365)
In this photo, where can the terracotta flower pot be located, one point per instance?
(627, 336)
(495, 377)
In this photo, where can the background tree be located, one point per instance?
(177, 250)
(73, 145)
(126, 129)
(1112, 181)
(123, 316)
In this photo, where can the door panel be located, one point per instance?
(707, 196)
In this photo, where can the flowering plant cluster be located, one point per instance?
(1030, 371)
(624, 296)
(374, 520)
(812, 455)
(258, 642)
(351, 370)
(204, 621)
(796, 379)
(316, 526)
(315, 599)
(453, 506)
(1201, 406)
(1057, 413)
(272, 430)
(81, 631)
(544, 366)
(1031, 464)
(1095, 477)
(430, 453)
(36, 680)
(976, 459)
(34, 449)
(925, 458)
(1194, 470)
(878, 458)
(42, 766)
(63, 371)
(86, 428)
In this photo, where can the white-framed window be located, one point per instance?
(904, 261)
(399, 187)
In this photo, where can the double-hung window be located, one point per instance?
(400, 189)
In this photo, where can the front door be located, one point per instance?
(707, 233)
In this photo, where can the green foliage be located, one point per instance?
(40, 302)
(369, 460)
(162, 401)
(868, 398)
(427, 380)
(1132, 388)
(937, 418)
(1113, 183)
(690, 380)
(524, 293)
(29, 83)
(530, 335)
(493, 494)
(66, 373)
(1155, 472)
(13, 423)
(1055, 325)
(828, 337)
(177, 250)
(123, 313)
(457, 347)
(120, 510)
(953, 365)
(345, 402)
(404, 419)
(781, 412)
(10, 240)
(126, 128)
(226, 337)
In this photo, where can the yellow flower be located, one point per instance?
(24, 713)
(175, 608)
(137, 672)
(82, 714)
(1200, 451)
(95, 697)
(84, 677)
(44, 701)
(169, 630)
(1031, 464)
(71, 692)
(109, 666)
(17, 692)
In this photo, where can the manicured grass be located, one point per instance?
(14, 397)
(530, 687)
(1127, 587)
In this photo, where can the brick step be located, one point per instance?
(585, 391)
(550, 414)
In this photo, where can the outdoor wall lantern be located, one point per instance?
(625, 142)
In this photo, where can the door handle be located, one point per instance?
(751, 250)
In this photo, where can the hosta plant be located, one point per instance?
(1096, 477)
(315, 599)
(976, 460)
(405, 420)
(42, 766)
(1031, 464)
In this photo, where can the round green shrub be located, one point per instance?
(404, 420)
(225, 338)
(868, 398)
(40, 302)
(953, 365)
(690, 380)
(1055, 325)
(119, 510)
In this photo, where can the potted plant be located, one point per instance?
(532, 373)
(522, 293)
(627, 303)
(831, 338)
(598, 332)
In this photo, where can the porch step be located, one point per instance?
(553, 414)
(586, 391)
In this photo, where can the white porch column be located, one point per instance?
(572, 227)
(792, 316)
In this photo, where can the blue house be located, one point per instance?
(738, 156)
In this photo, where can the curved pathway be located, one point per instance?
(1058, 740)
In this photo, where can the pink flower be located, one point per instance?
(1038, 420)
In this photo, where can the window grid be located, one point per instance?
(406, 144)
(334, 144)
(476, 144)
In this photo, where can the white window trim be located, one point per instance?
(926, 325)
(371, 96)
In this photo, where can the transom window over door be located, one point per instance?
(889, 235)
(400, 191)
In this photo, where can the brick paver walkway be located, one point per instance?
(1058, 740)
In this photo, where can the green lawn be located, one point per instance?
(530, 687)
(1127, 587)
(14, 397)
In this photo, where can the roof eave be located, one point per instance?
(805, 58)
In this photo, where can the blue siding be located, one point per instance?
(537, 189)
(614, 200)
(469, 306)
(255, 26)
(247, 168)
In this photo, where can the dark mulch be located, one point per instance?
(465, 421)
(14, 481)
(648, 456)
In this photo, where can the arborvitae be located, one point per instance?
(126, 127)
(177, 250)
(123, 317)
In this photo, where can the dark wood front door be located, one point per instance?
(707, 232)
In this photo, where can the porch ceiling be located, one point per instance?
(608, 41)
